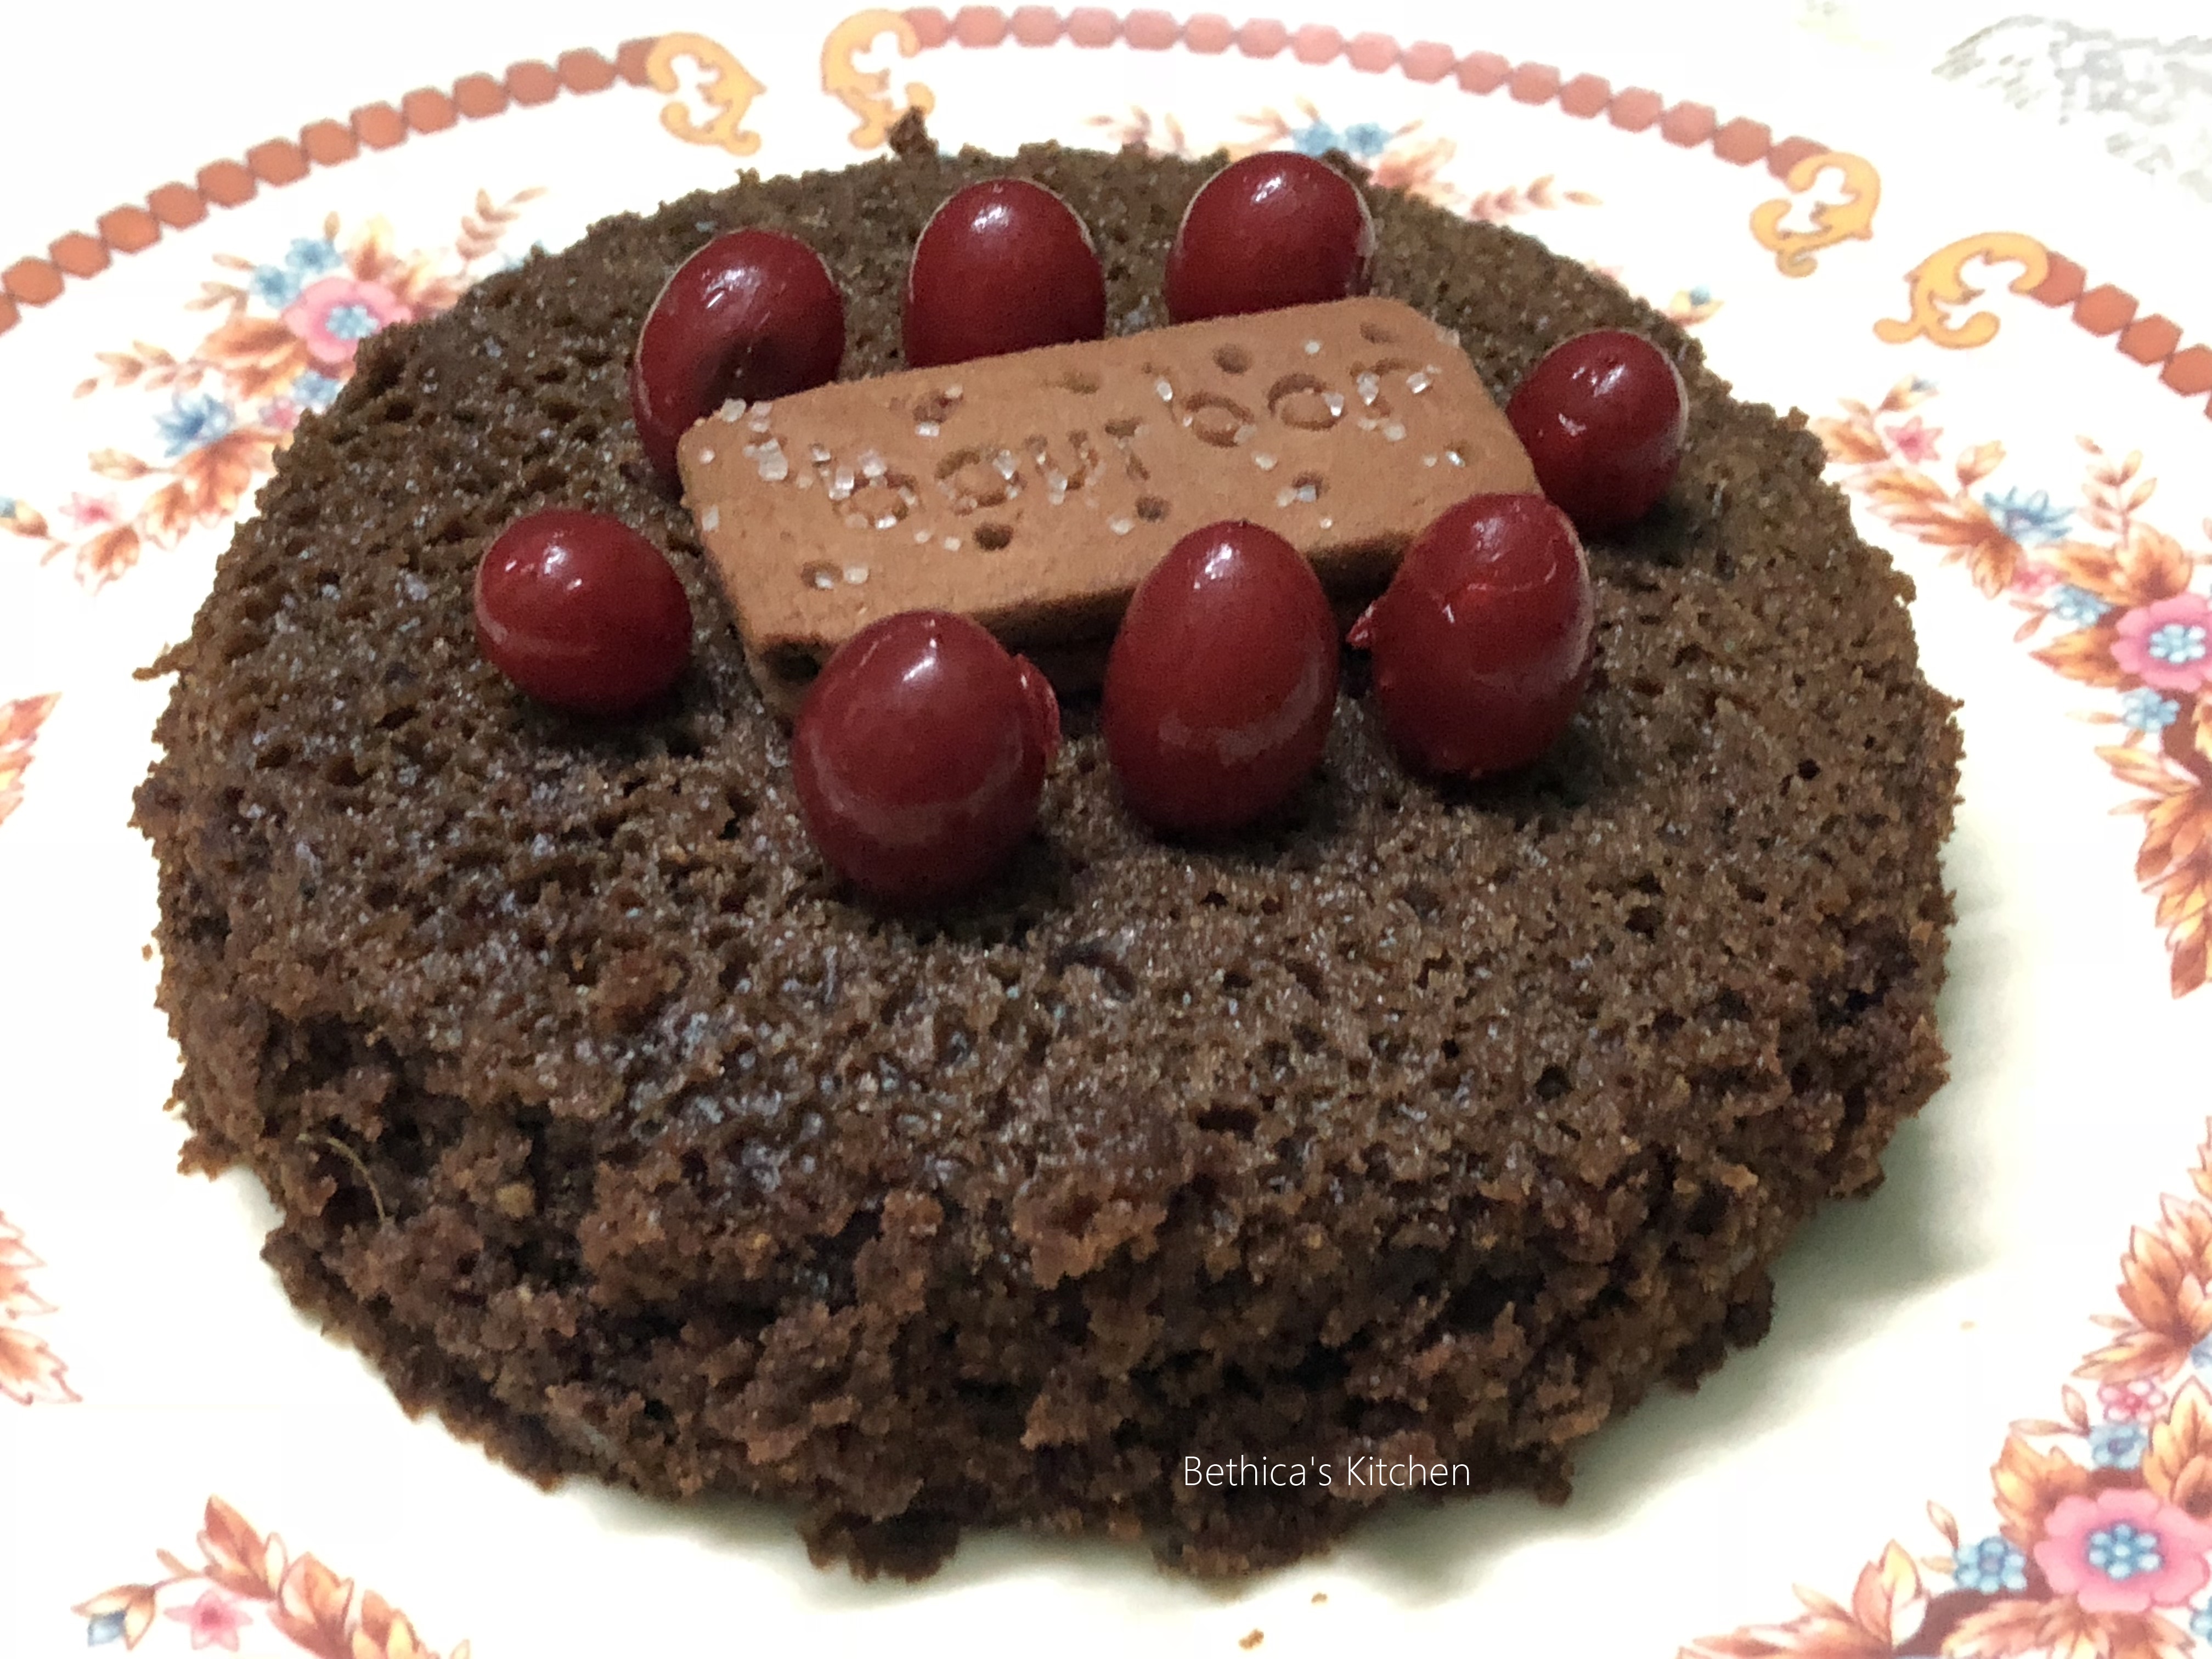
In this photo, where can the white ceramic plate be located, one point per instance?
(164, 1415)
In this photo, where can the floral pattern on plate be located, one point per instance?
(20, 721)
(289, 328)
(31, 1373)
(2097, 1511)
(1406, 157)
(2112, 602)
(243, 1579)
(2102, 1543)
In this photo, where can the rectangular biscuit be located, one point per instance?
(1034, 491)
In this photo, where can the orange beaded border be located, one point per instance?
(1586, 96)
(134, 226)
(2154, 341)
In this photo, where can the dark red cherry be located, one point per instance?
(1221, 681)
(1482, 641)
(753, 314)
(582, 612)
(1001, 266)
(919, 755)
(1272, 230)
(1602, 417)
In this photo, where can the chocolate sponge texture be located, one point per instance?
(1428, 1121)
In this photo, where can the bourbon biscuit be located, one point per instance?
(1033, 491)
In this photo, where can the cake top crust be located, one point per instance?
(615, 941)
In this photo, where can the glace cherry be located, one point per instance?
(582, 612)
(1005, 265)
(919, 755)
(753, 314)
(1483, 639)
(1272, 230)
(1222, 682)
(1602, 417)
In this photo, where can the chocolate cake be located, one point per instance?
(1424, 1127)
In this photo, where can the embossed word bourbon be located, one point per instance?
(1033, 491)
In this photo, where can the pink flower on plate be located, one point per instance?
(2139, 1401)
(2124, 1551)
(215, 1621)
(2031, 579)
(2168, 644)
(333, 317)
(91, 512)
(1914, 441)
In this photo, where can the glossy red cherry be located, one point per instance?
(1482, 641)
(1602, 417)
(752, 314)
(1001, 266)
(1221, 681)
(1272, 230)
(582, 612)
(919, 755)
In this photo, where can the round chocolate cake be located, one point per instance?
(1426, 1127)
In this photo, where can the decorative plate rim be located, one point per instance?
(1875, 1620)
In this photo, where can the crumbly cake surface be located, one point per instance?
(1428, 1123)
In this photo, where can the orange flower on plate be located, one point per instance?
(2162, 1278)
(320, 1612)
(20, 721)
(288, 333)
(30, 1371)
(2111, 604)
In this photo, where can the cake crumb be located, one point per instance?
(1320, 1597)
(909, 136)
(1253, 1641)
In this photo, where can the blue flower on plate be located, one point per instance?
(1995, 1564)
(107, 1627)
(274, 286)
(1364, 140)
(2144, 709)
(194, 421)
(1367, 139)
(7, 507)
(2200, 1624)
(2178, 643)
(2200, 1355)
(2028, 519)
(2123, 1550)
(2118, 1445)
(313, 256)
(2077, 605)
(313, 391)
(350, 322)
(309, 257)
